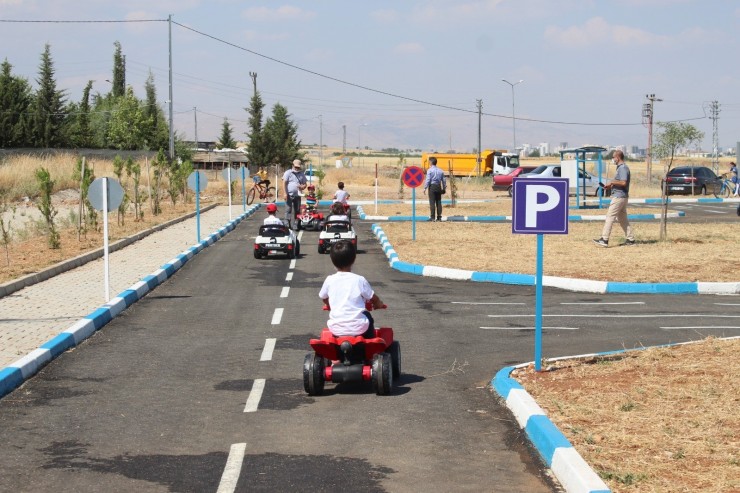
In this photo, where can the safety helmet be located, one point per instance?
(311, 187)
(271, 208)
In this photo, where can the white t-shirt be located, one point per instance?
(272, 220)
(341, 196)
(347, 293)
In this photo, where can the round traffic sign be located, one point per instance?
(234, 174)
(202, 180)
(114, 192)
(413, 176)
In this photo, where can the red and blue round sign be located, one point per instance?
(413, 176)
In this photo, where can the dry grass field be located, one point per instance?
(660, 420)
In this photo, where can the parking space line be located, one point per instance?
(268, 349)
(233, 468)
(703, 327)
(277, 316)
(289, 277)
(529, 328)
(292, 264)
(255, 395)
(482, 303)
(284, 292)
(728, 304)
(601, 315)
(604, 303)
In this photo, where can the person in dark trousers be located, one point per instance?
(620, 190)
(437, 185)
(294, 182)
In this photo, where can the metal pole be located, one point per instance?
(477, 162)
(195, 117)
(321, 141)
(106, 267)
(172, 130)
(538, 307)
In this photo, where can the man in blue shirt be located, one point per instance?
(620, 187)
(435, 182)
(294, 182)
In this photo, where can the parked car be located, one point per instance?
(690, 179)
(503, 182)
(553, 171)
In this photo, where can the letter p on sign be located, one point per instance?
(540, 206)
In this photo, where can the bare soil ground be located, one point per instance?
(659, 420)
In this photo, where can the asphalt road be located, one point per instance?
(183, 393)
(721, 212)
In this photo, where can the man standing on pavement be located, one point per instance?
(620, 187)
(294, 181)
(435, 182)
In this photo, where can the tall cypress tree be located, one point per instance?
(257, 147)
(281, 135)
(15, 102)
(156, 133)
(226, 140)
(83, 133)
(119, 72)
(48, 107)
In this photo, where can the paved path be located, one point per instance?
(34, 315)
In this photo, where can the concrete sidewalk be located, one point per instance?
(36, 314)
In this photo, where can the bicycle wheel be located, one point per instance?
(270, 195)
(718, 188)
(727, 188)
(250, 196)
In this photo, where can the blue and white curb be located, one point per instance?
(479, 219)
(13, 375)
(570, 284)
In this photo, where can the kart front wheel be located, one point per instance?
(395, 351)
(382, 374)
(313, 374)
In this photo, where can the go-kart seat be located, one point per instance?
(337, 226)
(274, 230)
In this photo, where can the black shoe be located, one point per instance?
(439, 219)
(601, 242)
(629, 242)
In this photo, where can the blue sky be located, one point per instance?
(406, 74)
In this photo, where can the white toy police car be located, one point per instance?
(334, 231)
(276, 239)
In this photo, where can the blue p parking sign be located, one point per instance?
(540, 206)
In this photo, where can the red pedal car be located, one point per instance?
(353, 359)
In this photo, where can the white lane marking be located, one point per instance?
(255, 395)
(482, 303)
(715, 212)
(289, 277)
(300, 235)
(605, 303)
(268, 349)
(233, 468)
(703, 327)
(728, 304)
(292, 264)
(277, 316)
(599, 315)
(284, 292)
(528, 328)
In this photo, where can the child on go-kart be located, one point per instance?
(346, 293)
(271, 217)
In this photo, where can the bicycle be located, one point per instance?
(266, 193)
(724, 187)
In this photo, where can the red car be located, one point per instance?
(504, 182)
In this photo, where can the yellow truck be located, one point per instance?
(493, 162)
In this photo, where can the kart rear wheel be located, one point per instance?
(313, 374)
(257, 254)
(321, 250)
(297, 247)
(382, 374)
(250, 196)
(395, 351)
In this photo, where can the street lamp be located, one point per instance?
(513, 112)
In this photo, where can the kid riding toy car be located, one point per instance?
(353, 359)
(309, 218)
(334, 231)
(276, 239)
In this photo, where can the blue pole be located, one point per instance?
(244, 189)
(413, 214)
(197, 203)
(538, 307)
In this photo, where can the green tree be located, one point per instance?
(15, 101)
(257, 147)
(127, 123)
(671, 137)
(534, 153)
(119, 72)
(156, 129)
(281, 136)
(48, 108)
(226, 140)
(47, 209)
(81, 131)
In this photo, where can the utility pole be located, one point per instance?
(195, 117)
(321, 141)
(479, 103)
(172, 128)
(714, 108)
(253, 75)
(647, 120)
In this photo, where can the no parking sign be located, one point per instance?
(413, 177)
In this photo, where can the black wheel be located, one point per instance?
(271, 195)
(297, 247)
(321, 250)
(313, 374)
(382, 374)
(292, 252)
(257, 254)
(250, 196)
(510, 190)
(395, 351)
(720, 190)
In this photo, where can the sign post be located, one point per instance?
(229, 177)
(243, 172)
(197, 181)
(540, 206)
(413, 177)
(105, 195)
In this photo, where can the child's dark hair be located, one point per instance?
(343, 254)
(341, 185)
(337, 209)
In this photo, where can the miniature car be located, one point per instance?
(352, 359)
(309, 218)
(276, 239)
(334, 231)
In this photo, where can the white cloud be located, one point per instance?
(286, 12)
(599, 31)
(408, 48)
